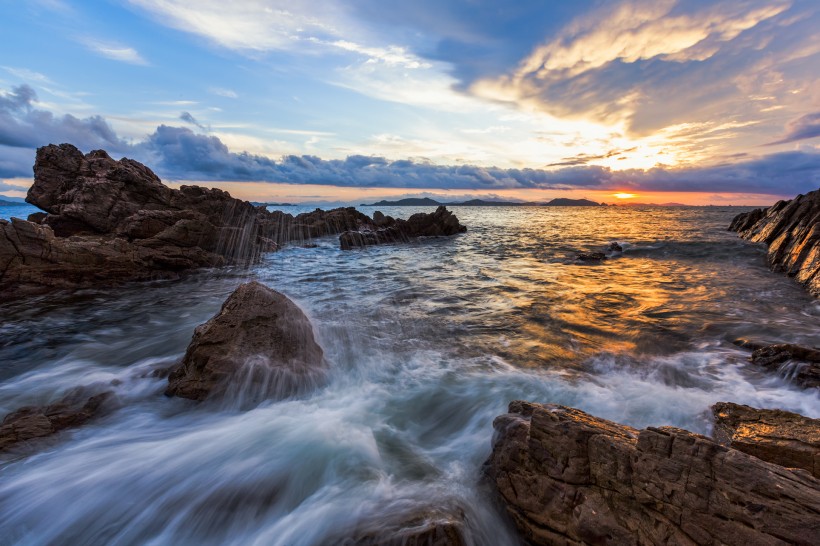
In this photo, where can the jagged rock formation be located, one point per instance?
(566, 477)
(442, 222)
(791, 229)
(109, 221)
(780, 437)
(260, 345)
(800, 364)
(31, 422)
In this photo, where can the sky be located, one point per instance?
(690, 101)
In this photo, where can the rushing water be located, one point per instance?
(427, 341)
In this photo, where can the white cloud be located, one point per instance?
(115, 51)
(222, 92)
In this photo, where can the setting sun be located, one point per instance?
(623, 195)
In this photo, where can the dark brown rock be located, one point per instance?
(797, 363)
(439, 223)
(791, 230)
(780, 437)
(260, 345)
(592, 257)
(30, 423)
(112, 221)
(566, 477)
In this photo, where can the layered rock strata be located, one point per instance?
(791, 229)
(566, 477)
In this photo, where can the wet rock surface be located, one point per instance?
(780, 437)
(791, 229)
(30, 423)
(389, 230)
(108, 221)
(434, 527)
(797, 363)
(260, 345)
(567, 477)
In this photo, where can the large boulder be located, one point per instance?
(31, 423)
(567, 477)
(442, 222)
(260, 345)
(780, 437)
(791, 229)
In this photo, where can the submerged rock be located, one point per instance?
(800, 364)
(566, 477)
(780, 437)
(433, 527)
(32, 422)
(592, 257)
(442, 222)
(260, 345)
(791, 229)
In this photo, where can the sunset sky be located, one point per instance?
(687, 101)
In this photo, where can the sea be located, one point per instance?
(427, 342)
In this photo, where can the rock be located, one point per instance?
(566, 477)
(615, 247)
(791, 229)
(439, 223)
(260, 345)
(428, 528)
(780, 437)
(592, 257)
(112, 221)
(31, 422)
(800, 364)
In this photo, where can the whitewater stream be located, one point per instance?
(428, 342)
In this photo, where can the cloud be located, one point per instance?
(188, 118)
(179, 153)
(222, 92)
(24, 126)
(5, 186)
(115, 51)
(804, 127)
(648, 64)
(183, 154)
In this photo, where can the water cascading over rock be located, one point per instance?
(260, 345)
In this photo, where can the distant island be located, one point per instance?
(4, 203)
(260, 204)
(427, 202)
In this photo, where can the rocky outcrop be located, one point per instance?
(566, 477)
(791, 229)
(797, 363)
(109, 221)
(260, 345)
(780, 437)
(31, 423)
(389, 230)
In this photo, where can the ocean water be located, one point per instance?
(428, 342)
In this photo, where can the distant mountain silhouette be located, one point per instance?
(4, 203)
(427, 202)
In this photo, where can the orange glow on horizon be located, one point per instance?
(624, 195)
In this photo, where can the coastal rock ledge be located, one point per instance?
(566, 477)
(791, 229)
(260, 345)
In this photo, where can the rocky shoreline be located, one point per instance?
(109, 221)
(791, 231)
